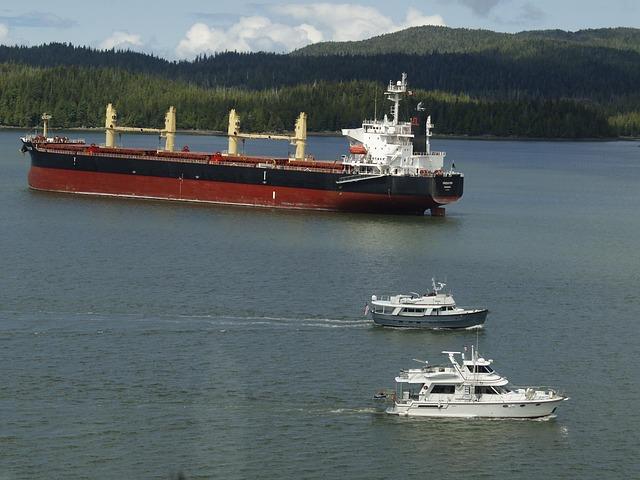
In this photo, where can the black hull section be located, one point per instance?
(464, 320)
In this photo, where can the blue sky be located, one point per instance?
(185, 28)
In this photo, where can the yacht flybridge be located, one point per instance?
(391, 147)
(468, 388)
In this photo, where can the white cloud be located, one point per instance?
(415, 18)
(247, 34)
(4, 33)
(346, 21)
(122, 41)
(310, 23)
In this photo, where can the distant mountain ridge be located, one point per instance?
(430, 39)
(548, 83)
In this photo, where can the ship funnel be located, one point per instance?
(419, 130)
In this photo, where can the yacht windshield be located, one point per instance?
(480, 369)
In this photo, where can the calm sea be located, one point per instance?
(144, 339)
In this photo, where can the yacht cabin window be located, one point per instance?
(443, 389)
(486, 390)
(409, 390)
(413, 310)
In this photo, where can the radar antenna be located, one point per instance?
(394, 93)
(437, 286)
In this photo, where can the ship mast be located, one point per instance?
(394, 93)
(428, 134)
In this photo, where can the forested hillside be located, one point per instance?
(76, 96)
(537, 84)
(432, 39)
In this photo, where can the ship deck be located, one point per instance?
(207, 158)
(204, 158)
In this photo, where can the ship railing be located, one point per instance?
(55, 150)
(203, 161)
(283, 167)
(359, 178)
(545, 388)
(529, 391)
(396, 88)
(428, 154)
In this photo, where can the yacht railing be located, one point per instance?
(537, 388)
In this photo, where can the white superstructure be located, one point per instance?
(385, 146)
(469, 388)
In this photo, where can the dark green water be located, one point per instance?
(142, 339)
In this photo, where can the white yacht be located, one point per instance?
(469, 388)
(431, 310)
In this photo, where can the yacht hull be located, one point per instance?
(457, 409)
(462, 320)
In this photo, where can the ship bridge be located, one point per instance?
(386, 146)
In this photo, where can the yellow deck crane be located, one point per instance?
(168, 132)
(299, 139)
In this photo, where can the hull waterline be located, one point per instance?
(523, 409)
(465, 320)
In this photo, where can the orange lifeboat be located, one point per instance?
(357, 149)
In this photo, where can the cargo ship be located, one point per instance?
(389, 167)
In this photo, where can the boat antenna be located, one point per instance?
(375, 104)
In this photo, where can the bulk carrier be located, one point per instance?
(389, 168)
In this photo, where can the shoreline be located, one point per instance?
(218, 133)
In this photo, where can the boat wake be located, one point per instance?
(475, 327)
(306, 322)
(355, 411)
(210, 319)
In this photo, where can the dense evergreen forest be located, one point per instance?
(474, 82)
(432, 39)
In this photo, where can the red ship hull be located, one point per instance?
(127, 185)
